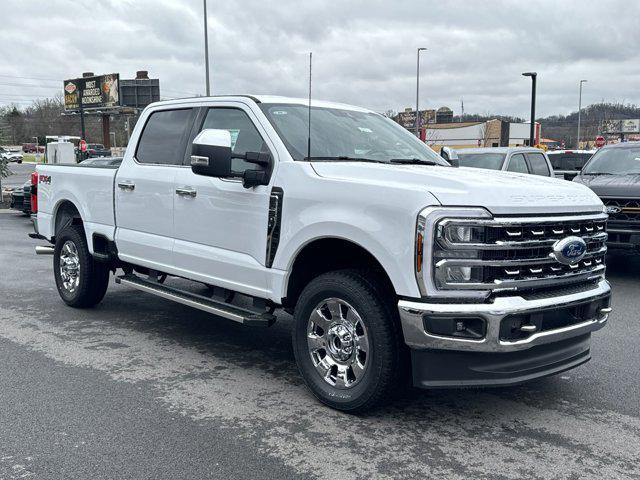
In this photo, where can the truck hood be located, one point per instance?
(499, 192)
(624, 186)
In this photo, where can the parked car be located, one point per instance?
(32, 148)
(10, 156)
(97, 150)
(613, 173)
(568, 163)
(21, 198)
(394, 264)
(509, 159)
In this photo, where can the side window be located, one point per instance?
(244, 135)
(538, 164)
(518, 164)
(163, 137)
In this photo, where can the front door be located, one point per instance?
(144, 190)
(220, 226)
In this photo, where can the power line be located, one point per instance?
(32, 78)
(29, 85)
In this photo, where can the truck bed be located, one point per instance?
(89, 187)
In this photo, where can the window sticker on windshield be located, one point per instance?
(234, 138)
(279, 112)
(365, 130)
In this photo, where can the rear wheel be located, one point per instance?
(346, 340)
(81, 280)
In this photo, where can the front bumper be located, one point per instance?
(498, 358)
(412, 316)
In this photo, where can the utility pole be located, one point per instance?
(532, 129)
(206, 48)
(420, 49)
(579, 112)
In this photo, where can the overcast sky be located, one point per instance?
(364, 51)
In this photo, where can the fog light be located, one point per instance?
(464, 327)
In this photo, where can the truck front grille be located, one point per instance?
(623, 213)
(515, 253)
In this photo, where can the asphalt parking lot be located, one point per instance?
(19, 174)
(143, 388)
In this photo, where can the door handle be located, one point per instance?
(126, 185)
(186, 192)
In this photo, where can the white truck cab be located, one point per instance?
(394, 263)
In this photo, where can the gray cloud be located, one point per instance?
(364, 51)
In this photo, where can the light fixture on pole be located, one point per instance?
(420, 49)
(579, 112)
(532, 135)
(206, 48)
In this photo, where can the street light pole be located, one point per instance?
(420, 49)
(579, 111)
(206, 48)
(532, 128)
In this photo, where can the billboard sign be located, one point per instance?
(101, 91)
(621, 126)
(408, 118)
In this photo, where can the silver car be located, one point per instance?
(512, 159)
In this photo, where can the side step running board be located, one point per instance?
(232, 312)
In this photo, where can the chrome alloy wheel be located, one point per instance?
(69, 266)
(338, 343)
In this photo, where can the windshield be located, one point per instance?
(338, 134)
(614, 161)
(492, 161)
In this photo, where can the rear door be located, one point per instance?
(538, 164)
(144, 191)
(517, 163)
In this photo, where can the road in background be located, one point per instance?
(140, 387)
(19, 174)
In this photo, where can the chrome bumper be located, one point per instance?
(416, 337)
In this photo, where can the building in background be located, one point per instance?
(492, 133)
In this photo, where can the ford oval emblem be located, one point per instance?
(569, 250)
(613, 210)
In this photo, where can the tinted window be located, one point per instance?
(518, 164)
(492, 161)
(162, 139)
(538, 164)
(244, 135)
(568, 161)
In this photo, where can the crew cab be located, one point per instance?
(396, 265)
(613, 173)
(509, 159)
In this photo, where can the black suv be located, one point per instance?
(613, 173)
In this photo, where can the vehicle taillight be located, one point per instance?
(34, 192)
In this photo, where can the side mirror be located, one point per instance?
(450, 156)
(211, 153)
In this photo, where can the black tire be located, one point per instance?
(93, 276)
(374, 304)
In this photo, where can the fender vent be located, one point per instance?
(273, 224)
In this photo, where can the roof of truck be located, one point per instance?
(267, 99)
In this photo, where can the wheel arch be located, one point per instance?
(326, 254)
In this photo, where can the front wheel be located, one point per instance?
(81, 280)
(346, 340)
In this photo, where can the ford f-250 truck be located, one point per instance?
(395, 264)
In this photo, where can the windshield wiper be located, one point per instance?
(343, 157)
(413, 161)
(597, 173)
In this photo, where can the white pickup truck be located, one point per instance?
(395, 264)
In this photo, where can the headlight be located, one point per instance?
(462, 233)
